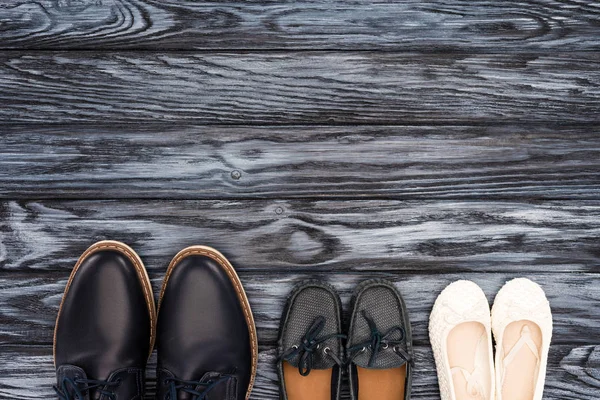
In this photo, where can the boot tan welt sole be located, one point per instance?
(239, 289)
(142, 275)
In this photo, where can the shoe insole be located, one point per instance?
(468, 349)
(314, 386)
(381, 384)
(521, 373)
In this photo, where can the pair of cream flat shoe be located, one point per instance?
(460, 330)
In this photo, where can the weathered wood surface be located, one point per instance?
(216, 162)
(419, 142)
(427, 237)
(29, 301)
(422, 246)
(448, 25)
(302, 88)
(573, 373)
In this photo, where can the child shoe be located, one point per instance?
(522, 324)
(379, 348)
(460, 335)
(310, 344)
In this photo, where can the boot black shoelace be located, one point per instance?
(310, 343)
(190, 387)
(378, 342)
(75, 389)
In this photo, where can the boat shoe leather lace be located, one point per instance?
(379, 345)
(393, 338)
(310, 347)
(311, 343)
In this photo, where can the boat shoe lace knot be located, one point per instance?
(378, 341)
(75, 389)
(310, 344)
(198, 389)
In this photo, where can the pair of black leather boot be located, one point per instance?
(107, 325)
(376, 350)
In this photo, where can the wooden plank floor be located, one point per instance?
(422, 142)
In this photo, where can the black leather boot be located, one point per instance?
(206, 338)
(105, 327)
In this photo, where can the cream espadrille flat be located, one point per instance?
(460, 335)
(522, 325)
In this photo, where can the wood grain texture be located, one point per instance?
(422, 142)
(29, 301)
(212, 162)
(301, 88)
(427, 237)
(448, 25)
(573, 373)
